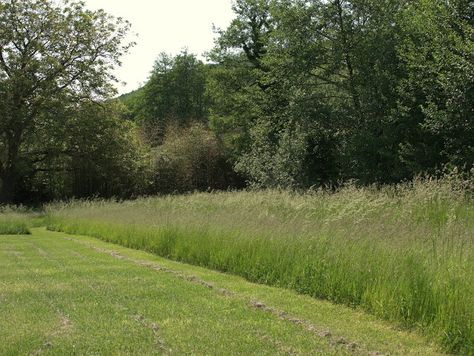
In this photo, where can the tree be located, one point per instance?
(237, 82)
(175, 94)
(437, 94)
(52, 55)
(316, 99)
(316, 78)
(91, 152)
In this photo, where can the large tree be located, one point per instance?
(436, 106)
(314, 92)
(316, 82)
(174, 95)
(54, 55)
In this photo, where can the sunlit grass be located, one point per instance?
(403, 253)
(13, 222)
(76, 295)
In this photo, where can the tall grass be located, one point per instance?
(14, 221)
(404, 253)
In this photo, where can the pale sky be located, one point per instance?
(164, 26)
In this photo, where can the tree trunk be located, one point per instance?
(7, 191)
(348, 60)
(9, 171)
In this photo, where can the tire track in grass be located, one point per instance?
(155, 328)
(335, 342)
(282, 348)
(139, 318)
(151, 326)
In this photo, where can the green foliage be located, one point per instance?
(297, 93)
(314, 93)
(437, 95)
(271, 164)
(54, 57)
(174, 95)
(190, 159)
(404, 253)
(310, 93)
(93, 152)
(132, 104)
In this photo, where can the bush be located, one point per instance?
(13, 221)
(11, 227)
(190, 159)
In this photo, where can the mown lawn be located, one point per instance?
(65, 294)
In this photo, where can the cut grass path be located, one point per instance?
(65, 294)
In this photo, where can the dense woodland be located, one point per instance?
(294, 94)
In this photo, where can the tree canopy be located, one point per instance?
(294, 93)
(54, 56)
(314, 92)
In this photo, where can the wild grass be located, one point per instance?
(404, 253)
(14, 221)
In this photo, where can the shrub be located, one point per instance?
(190, 159)
(13, 221)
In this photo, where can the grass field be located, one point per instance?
(14, 222)
(65, 294)
(404, 254)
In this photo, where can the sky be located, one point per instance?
(164, 26)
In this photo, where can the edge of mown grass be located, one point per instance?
(18, 220)
(432, 301)
(14, 228)
(335, 322)
(14, 225)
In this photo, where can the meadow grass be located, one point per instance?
(404, 253)
(14, 221)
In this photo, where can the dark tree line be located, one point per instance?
(295, 93)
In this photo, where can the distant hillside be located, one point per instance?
(130, 97)
(132, 101)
